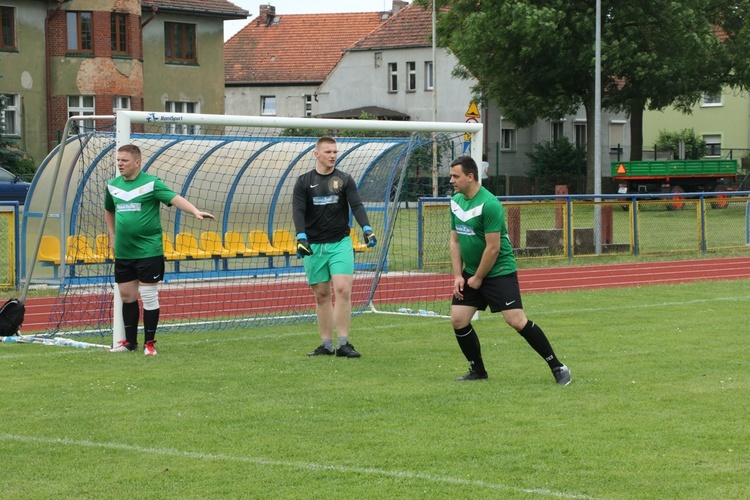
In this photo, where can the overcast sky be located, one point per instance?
(303, 7)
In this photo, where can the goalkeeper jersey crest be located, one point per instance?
(136, 204)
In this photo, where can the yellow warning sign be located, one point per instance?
(621, 169)
(473, 111)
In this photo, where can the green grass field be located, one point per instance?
(658, 408)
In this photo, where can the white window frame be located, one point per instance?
(120, 102)
(581, 134)
(508, 139)
(182, 107)
(713, 143)
(10, 121)
(429, 76)
(79, 105)
(308, 105)
(392, 77)
(268, 105)
(711, 100)
(411, 76)
(556, 130)
(616, 136)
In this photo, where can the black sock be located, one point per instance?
(469, 344)
(538, 341)
(150, 322)
(130, 315)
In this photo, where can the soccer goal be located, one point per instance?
(241, 270)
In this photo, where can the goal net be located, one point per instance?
(240, 270)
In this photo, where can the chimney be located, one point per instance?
(267, 13)
(398, 5)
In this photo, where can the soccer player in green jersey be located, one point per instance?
(484, 271)
(131, 203)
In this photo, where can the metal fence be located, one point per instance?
(566, 227)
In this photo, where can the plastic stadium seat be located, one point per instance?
(187, 244)
(101, 246)
(356, 244)
(258, 241)
(233, 241)
(169, 252)
(284, 241)
(49, 250)
(79, 249)
(211, 242)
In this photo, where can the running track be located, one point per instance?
(532, 280)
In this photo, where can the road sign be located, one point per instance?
(473, 111)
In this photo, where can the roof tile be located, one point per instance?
(410, 27)
(222, 8)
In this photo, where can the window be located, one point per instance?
(268, 105)
(616, 136)
(713, 145)
(82, 105)
(7, 28)
(9, 120)
(711, 100)
(179, 42)
(308, 105)
(557, 130)
(429, 76)
(411, 76)
(120, 102)
(508, 139)
(392, 77)
(181, 107)
(119, 33)
(580, 135)
(79, 31)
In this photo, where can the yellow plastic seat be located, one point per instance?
(101, 246)
(211, 243)
(169, 252)
(284, 241)
(233, 241)
(258, 241)
(187, 243)
(356, 244)
(78, 249)
(49, 250)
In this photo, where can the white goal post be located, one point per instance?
(242, 169)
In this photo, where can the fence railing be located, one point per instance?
(570, 226)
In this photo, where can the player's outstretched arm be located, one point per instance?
(186, 206)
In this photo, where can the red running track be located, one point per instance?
(261, 298)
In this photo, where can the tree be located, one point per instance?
(556, 162)
(535, 58)
(695, 145)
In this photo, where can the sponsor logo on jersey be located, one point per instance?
(465, 230)
(129, 207)
(325, 200)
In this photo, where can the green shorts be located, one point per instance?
(329, 259)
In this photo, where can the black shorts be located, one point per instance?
(500, 293)
(148, 270)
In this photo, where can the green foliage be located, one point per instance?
(12, 159)
(556, 162)
(657, 408)
(695, 145)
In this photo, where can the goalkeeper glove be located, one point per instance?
(303, 246)
(370, 239)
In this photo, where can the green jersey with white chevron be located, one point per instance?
(472, 219)
(136, 204)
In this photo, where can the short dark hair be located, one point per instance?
(468, 165)
(134, 150)
(325, 139)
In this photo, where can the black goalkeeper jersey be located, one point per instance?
(321, 206)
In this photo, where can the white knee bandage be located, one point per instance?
(149, 297)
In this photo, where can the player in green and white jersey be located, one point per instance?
(484, 271)
(132, 202)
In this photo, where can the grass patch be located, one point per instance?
(657, 408)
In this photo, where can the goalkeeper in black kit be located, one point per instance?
(321, 202)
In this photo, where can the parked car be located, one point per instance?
(12, 188)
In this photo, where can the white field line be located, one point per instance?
(293, 465)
